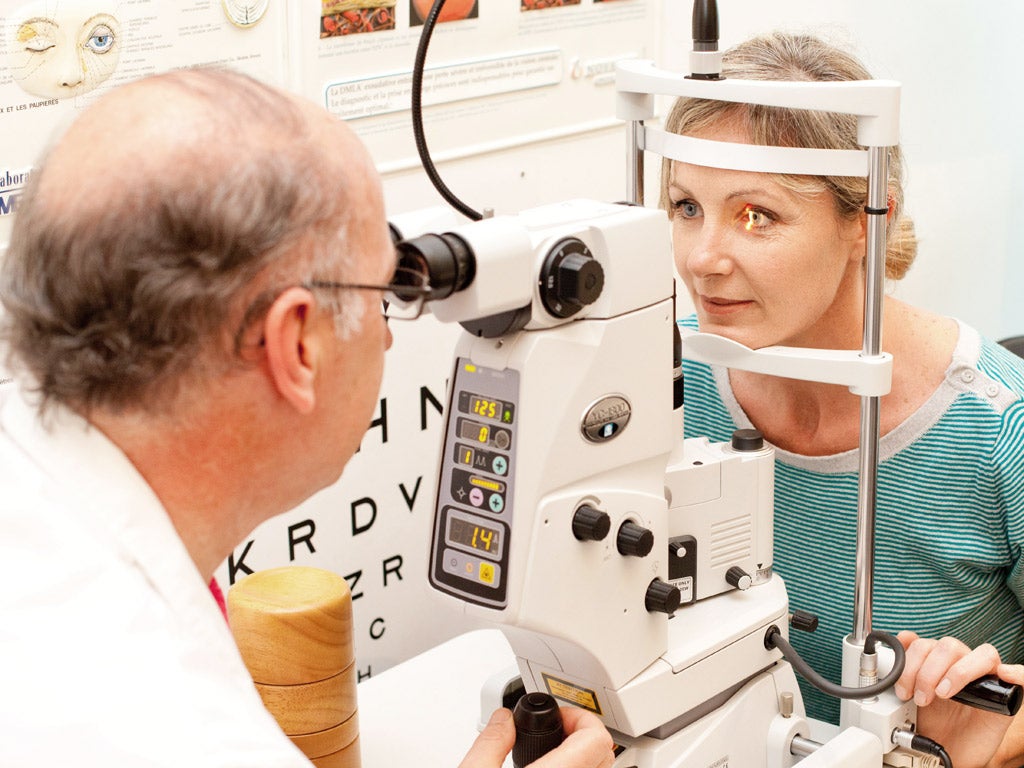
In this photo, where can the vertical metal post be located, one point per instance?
(635, 163)
(876, 209)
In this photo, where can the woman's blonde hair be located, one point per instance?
(783, 56)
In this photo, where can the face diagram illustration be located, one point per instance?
(63, 48)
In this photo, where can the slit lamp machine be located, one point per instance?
(630, 569)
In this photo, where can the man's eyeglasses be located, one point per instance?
(404, 296)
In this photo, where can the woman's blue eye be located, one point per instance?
(687, 209)
(101, 40)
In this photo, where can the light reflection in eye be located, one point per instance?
(753, 218)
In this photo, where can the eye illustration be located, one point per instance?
(101, 40)
(37, 35)
(64, 49)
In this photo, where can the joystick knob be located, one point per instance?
(634, 540)
(538, 728)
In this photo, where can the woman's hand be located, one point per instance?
(587, 744)
(938, 669)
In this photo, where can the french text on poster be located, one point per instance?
(366, 97)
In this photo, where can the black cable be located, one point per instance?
(930, 747)
(774, 639)
(417, 116)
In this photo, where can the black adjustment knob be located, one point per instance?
(747, 440)
(538, 728)
(589, 524)
(579, 279)
(737, 577)
(805, 621)
(662, 597)
(571, 278)
(634, 540)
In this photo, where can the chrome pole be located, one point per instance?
(635, 163)
(877, 210)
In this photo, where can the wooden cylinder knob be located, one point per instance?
(292, 625)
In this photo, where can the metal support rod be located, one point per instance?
(635, 163)
(801, 747)
(874, 284)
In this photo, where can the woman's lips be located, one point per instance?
(717, 306)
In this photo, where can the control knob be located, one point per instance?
(634, 540)
(589, 524)
(662, 597)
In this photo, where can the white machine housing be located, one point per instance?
(517, 466)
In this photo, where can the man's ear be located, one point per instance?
(292, 347)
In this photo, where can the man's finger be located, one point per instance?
(493, 744)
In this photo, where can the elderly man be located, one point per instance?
(192, 304)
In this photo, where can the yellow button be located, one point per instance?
(486, 573)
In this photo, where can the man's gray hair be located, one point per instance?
(121, 302)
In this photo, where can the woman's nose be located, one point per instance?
(705, 253)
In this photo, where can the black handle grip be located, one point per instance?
(538, 728)
(992, 695)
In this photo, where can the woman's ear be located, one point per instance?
(292, 347)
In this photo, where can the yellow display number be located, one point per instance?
(485, 536)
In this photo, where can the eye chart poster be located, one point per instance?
(499, 74)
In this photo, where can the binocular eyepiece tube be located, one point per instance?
(447, 261)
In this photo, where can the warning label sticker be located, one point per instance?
(572, 693)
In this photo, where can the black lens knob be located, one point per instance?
(538, 728)
(570, 279)
(634, 540)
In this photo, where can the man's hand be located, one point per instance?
(938, 669)
(587, 743)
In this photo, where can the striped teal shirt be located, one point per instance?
(949, 518)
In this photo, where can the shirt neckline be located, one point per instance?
(966, 354)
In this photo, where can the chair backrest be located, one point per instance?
(1015, 344)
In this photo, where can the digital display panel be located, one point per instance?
(471, 430)
(486, 407)
(480, 538)
(483, 434)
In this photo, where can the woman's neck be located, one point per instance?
(816, 419)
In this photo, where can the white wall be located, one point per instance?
(961, 121)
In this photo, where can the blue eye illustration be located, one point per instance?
(101, 40)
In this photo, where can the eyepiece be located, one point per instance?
(447, 261)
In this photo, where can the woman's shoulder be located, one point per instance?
(986, 368)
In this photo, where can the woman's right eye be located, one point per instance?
(686, 208)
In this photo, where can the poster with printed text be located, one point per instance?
(58, 56)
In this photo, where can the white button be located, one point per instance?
(967, 376)
(992, 390)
